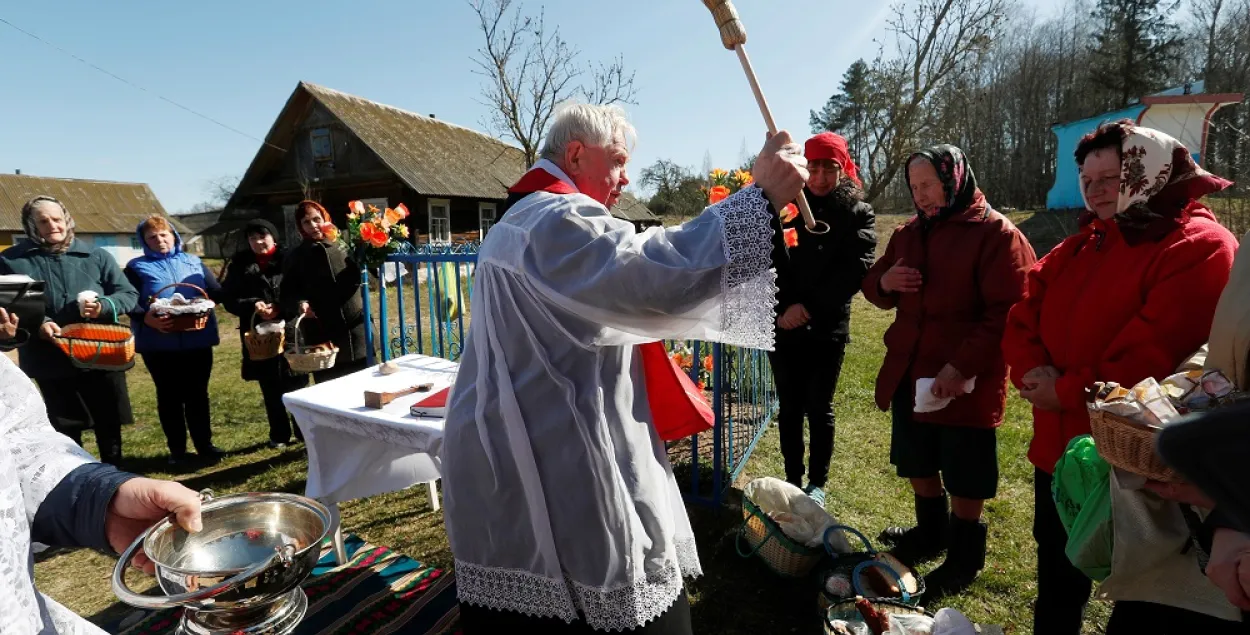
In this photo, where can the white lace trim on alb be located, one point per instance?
(616, 609)
(748, 282)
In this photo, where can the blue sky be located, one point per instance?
(238, 61)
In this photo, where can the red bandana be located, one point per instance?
(540, 180)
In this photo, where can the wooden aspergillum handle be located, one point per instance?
(377, 400)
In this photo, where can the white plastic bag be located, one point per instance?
(802, 519)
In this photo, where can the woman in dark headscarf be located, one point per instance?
(76, 399)
(1130, 295)
(252, 290)
(322, 283)
(952, 273)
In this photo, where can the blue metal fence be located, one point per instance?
(421, 305)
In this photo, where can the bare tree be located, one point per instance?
(530, 69)
(935, 40)
(218, 191)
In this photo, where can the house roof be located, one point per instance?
(98, 207)
(434, 157)
(629, 208)
(196, 223)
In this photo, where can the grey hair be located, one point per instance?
(590, 124)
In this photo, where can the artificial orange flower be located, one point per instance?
(702, 387)
(707, 363)
(330, 231)
(718, 174)
(390, 218)
(403, 210)
(356, 208)
(789, 213)
(373, 234)
(743, 177)
(791, 237)
(717, 194)
(373, 209)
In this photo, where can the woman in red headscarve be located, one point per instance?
(321, 282)
(816, 280)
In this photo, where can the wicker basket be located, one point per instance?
(845, 610)
(184, 322)
(98, 346)
(309, 359)
(1129, 445)
(262, 347)
(854, 565)
(761, 536)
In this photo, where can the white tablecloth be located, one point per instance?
(354, 451)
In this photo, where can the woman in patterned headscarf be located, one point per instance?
(76, 399)
(1131, 295)
(952, 273)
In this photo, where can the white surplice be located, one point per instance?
(559, 494)
(33, 460)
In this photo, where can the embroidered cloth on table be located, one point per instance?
(355, 451)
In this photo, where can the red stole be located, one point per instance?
(678, 407)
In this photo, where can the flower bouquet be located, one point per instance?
(724, 183)
(372, 234)
(684, 358)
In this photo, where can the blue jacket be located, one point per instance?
(81, 268)
(153, 271)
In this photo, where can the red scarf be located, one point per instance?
(262, 260)
(678, 407)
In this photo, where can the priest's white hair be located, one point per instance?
(590, 124)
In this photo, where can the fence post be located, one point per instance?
(364, 294)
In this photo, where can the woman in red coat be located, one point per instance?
(952, 273)
(1131, 295)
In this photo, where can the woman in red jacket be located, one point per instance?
(952, 272)
(1129, 296)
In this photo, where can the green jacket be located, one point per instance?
(80, 268)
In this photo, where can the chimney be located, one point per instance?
(432, 116)
(17, 172)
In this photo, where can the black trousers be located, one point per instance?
(477, 620)
(181, 380)
(1133, 618)
(806, 366)
(281, 424)
(90, 399)
(1062, 589)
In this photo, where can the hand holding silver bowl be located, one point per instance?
(242, 571)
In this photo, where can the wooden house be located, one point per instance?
(105, 213)
(333, 147)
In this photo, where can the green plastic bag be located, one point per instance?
(1082, 492)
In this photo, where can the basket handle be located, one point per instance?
(745, 552)
(176, 284)
(112, 304)
(859, 571)
(826, 539)
(299, 337)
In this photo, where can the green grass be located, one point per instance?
(734, 596)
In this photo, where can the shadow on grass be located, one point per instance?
(743, 595)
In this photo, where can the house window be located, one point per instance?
(322, 145)
(485, 218)
(135, 244)
(440, 220)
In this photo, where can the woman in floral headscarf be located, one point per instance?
(952, 273)
(1131, 295)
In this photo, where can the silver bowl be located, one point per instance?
(253, 552)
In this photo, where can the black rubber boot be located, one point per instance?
(927, 540)
(964, 561)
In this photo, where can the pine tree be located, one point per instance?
(846, 113)
(1135, 47)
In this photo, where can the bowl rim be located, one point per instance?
(232, 500)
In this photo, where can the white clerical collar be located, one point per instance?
(555, 170)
